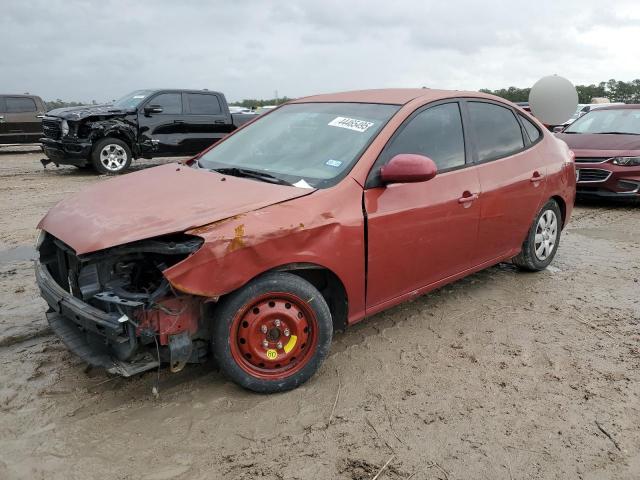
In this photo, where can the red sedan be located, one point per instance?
(314, 216)
(606, 142)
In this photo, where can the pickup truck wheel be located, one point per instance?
(541, 244)
(273, 334)
(111, 156)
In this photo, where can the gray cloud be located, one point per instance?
(85, 50)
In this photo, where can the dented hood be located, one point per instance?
(85, 111)
(157, 201)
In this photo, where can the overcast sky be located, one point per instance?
(102, 49)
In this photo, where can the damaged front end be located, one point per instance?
(115, 309)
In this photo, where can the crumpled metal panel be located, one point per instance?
(157, 201)
(324, 229)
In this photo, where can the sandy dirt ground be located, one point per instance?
(502, 375)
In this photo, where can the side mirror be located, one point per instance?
(149, 109)
(558, 128)
(408, 168)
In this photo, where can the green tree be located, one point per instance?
(614, 90)
(255, 103)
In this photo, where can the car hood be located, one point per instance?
(84, 111)
(158, 201)
(600, 143)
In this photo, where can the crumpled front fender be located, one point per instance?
(303, 230)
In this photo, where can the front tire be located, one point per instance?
(111, 156)
(541, 244)
(273, 334)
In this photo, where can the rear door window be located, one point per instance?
(171, 103)
(20, 105)
(203, 104)
(496, 130)
(436, 133)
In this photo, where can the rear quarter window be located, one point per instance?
(496, 131)
(532, 131)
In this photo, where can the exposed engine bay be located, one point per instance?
(144, 320)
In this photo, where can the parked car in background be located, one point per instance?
(235, 109)
(580, 111)
(327, 210)
(265, 108)
(145, 123)
(606, 142)
(524, 105)
(21, 118)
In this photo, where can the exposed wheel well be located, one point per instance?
(330, 287)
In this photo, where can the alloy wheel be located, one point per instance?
(113, 157)
(546, 235)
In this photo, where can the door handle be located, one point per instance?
(536, 177)
(39, 116)
(468, 197)
(178, 121)
(219, 122)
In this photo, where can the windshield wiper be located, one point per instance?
(248, 173)
(618, 133)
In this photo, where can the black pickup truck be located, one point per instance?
(143, 124)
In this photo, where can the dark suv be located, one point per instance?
(20, 118)
(145, 123)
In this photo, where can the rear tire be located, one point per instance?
(543, 238)
(110, 156)
(273, 334)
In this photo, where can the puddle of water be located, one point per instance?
(18, 254)
(607, 234)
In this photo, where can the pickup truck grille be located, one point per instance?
(593, 175)
(51, 128)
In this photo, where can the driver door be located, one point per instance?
(162, 133)
(421, 234)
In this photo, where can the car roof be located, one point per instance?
(26, 95)
(619, 106)
(185, 90)
(394, 96)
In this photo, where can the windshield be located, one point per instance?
(133, 99)
(306, 144)
(625, 120)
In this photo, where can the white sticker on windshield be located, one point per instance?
(302, 183)
(138, 96)
(350, 124)
(333, 163)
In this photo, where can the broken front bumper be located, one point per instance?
(66, 151)
(97, 337)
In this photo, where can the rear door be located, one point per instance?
(207, 120)
(3, 128)
(511, 172)
(22, 118)
(162, 133)
(422, 233)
